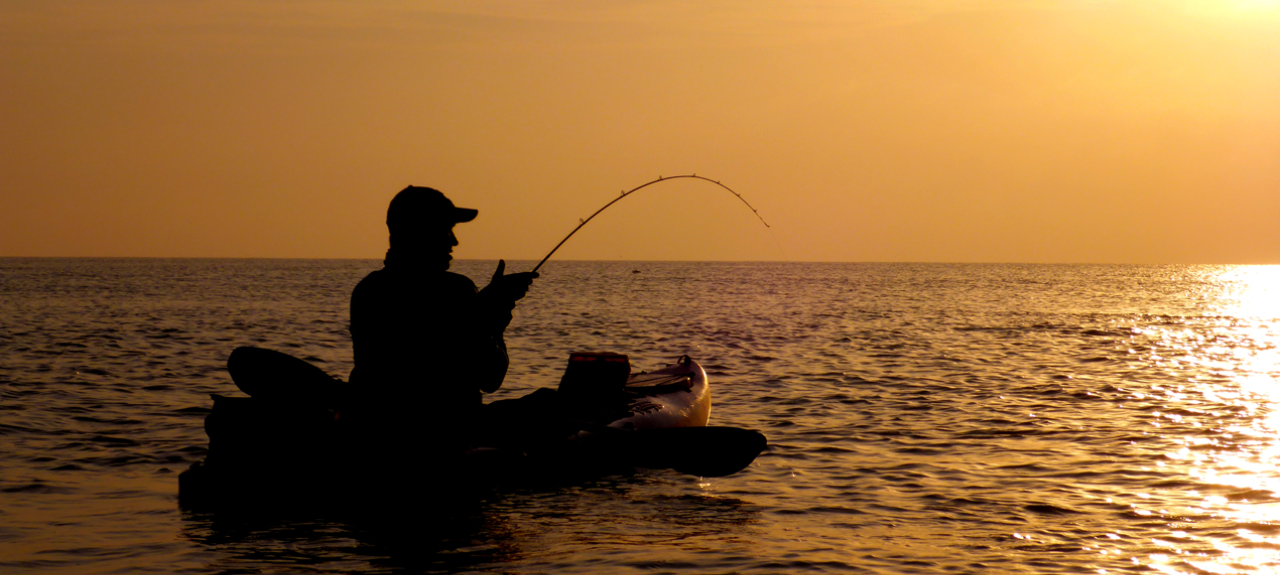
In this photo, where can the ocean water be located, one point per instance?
(922, 419)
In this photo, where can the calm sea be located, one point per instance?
(922, 419)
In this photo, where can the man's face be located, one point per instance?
(432, 243)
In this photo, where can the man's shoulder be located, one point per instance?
(374, 280)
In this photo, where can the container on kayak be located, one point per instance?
(595, 375)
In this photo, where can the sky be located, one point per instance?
(887, 131)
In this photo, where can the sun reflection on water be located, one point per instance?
(1235, 372)
(1251, 291)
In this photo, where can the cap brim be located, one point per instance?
(464, 214)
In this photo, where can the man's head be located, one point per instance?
(421, 223)
(416, 206)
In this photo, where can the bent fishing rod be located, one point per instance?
(638, 188)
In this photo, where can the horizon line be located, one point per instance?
(921, 262)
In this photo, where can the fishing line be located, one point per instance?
(638, 188)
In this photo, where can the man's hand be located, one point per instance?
(503, 291)
(508, 288)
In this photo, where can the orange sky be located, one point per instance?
(990, 131)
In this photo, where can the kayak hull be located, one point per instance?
(266, 450)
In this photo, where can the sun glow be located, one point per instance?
(1235, 8)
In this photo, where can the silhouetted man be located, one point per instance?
(427, 342)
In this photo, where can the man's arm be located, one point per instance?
(495, 366)
(497, 300)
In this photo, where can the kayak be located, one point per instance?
(289, 436)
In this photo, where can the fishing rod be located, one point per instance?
(638, 188)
